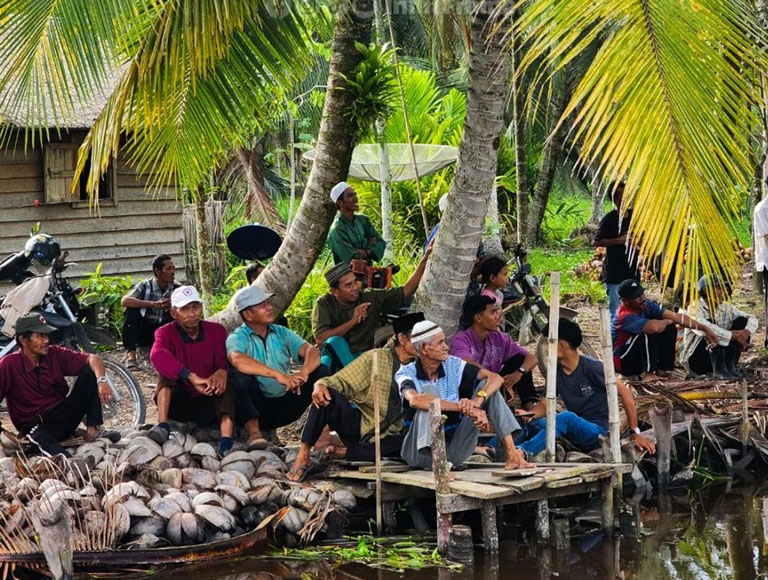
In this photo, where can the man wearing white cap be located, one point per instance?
(190, 357)
(470, 396)
(352, 237)
(269, 394)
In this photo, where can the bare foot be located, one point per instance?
(516, 460)
(649, 377)
(334, 452)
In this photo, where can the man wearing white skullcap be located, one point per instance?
(469, 395)
(352, 237)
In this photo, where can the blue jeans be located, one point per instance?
(335, 353)
(582, 433)
(612, 291)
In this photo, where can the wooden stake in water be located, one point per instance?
(377, 441)
(614, 430)
(554, 320)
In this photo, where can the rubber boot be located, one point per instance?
(719, 370)
(732, 356)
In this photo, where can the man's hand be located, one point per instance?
(321, 396)
(363, 254)
(105, 393)
(643, 443)
(511, 380)
(523, 416)
(481, 420)
(466, 407)
(218, 382)
(290, 382)
(200, 384)
(361, 312)
(711, 336)
(742, 337)
(494, 382)
(372, 241)
(428, 251)
(162, 304)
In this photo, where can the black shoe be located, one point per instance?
(732, 357)
(46, 443)
(719, 370)
(159, 434)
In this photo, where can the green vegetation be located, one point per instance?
(106, 291)
(398, 556)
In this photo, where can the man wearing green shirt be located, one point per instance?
(345, 320)
(352, 237)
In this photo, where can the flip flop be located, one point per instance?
(257, 443)
(132, 364)
(303, 471)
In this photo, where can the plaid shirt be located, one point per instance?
(356, 382)
(149, 290)
(725, 314)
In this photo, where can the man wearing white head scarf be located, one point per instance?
(352, 237)
(470, 396)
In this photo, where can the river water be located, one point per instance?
(717, 534)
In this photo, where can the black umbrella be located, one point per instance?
(254, 242)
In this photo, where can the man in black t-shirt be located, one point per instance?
(581, 386)
(620, 260)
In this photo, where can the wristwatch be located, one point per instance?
(523, 371)
(635, 431)
(102, 380)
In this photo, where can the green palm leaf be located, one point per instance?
(669, 103)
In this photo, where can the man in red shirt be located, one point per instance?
(34, 381)
(190, 356)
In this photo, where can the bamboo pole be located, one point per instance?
(614, 436)
(554, 320)
(377, 441)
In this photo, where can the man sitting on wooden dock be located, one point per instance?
(581, 386)
(462, 398)
(485, 346)
(346, 403)
(644, 334)
(733, 327)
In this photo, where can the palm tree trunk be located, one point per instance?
(552, 150)
(521, 157)
(442, 289)
(305, 238)
(203, 251)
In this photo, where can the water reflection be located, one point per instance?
(712, 536)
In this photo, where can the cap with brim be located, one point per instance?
(336, 273)
(33, 322)
(630, 289)
(405, 324)
(251, 296)
(184, 295)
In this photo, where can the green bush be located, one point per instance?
(571, 285)
(107, 291)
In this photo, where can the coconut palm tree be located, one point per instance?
(668, 104)
(442, 289)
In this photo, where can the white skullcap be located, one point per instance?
(424, 332)
(338, 189)
(443, 203)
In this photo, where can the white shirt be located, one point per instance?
(760, 229)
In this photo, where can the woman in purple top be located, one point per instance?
(485, 346)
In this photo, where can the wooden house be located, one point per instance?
(130, 227)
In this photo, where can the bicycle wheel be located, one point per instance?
(127, 407)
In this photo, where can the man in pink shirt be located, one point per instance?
(485, 346)
(190, 356)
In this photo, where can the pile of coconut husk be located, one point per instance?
(138, 494)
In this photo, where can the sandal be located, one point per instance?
(132, 364)
(303, 472)
(256, 442)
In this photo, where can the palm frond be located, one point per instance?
(669, 105)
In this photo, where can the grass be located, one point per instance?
(543, 261)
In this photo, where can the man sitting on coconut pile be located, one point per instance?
(644, 334)
(733, 327)
(345, 320)
(581, 386)
(469, 396)
(345, 402)
(190, 356)
(34, 381)
(269, 394)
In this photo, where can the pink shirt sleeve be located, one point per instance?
(512, 349)
(161, 355)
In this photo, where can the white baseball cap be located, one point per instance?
(184, 295)
(338, 189)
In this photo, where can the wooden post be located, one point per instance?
(377, 442)
(554, 320)
(542, 521)
(490, 528)
(561, 533)
(606, 507)
(441, 472)
(661, 419)
(460, 548)
(614, 435)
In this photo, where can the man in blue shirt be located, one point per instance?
(644, 334)
(268, 394)
(470, 405)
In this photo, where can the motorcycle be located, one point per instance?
(55, 298)
(526, 311)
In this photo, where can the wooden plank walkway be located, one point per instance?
(489, 486)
